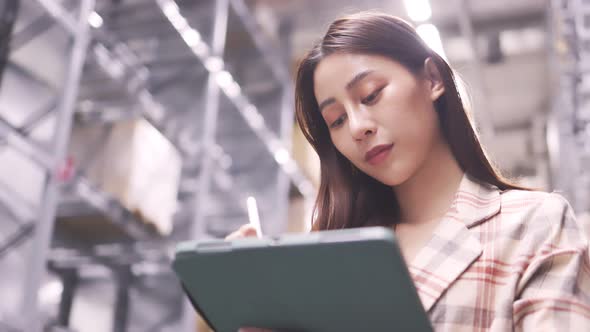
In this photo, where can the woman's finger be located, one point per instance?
(249, 231)
(246, 230)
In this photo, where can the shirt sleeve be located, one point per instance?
(553, 293)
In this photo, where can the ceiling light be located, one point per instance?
(214, 63)
(429, 33)
(170, 8)
(51, 292)
(233, 90)
(418, 10)
(282, 156)
(191, 36)
(253, 117)
(224, 78)
(95, 20)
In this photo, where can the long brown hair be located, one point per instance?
(347, 197)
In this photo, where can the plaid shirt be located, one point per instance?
(505, 260)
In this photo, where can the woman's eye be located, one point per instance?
(370, 99)
(338, 122)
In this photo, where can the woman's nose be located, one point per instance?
(361, 125)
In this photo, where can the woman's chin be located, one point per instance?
(395, 174)
(391, 180)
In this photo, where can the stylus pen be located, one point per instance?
(253, 215)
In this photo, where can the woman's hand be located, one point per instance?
(246, 230)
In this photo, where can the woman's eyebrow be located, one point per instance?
(326, 102)
(355, 80)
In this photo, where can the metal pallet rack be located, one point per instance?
(49, 160)
(569, 125)
(118, 47)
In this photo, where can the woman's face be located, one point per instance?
(380, 116)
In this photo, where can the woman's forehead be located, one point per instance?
(346, 62)
(336, 71)
(349, 64)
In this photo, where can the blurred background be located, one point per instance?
(127, 126)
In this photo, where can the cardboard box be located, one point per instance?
(135, 164)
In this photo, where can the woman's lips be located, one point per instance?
(378, 154)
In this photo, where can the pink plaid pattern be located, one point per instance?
(503, 261)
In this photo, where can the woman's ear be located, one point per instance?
(434, 78)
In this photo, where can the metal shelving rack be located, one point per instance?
(220, 79)
(569, 125)
(50, 161)
(227, 116)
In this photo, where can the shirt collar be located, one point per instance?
(453, 248)
(474, 202)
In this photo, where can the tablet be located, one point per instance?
(337, 280)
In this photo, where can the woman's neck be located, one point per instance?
(429, 193)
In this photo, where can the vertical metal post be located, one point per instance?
(281, 215)
(210, 120)
(483, 112)
(207, 142)
(552, 131)
(70, 279)
(286, 133)
(45, 222)
(569, 66)
(9, 12)
(121, 312)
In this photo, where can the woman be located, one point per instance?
(397, 149)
